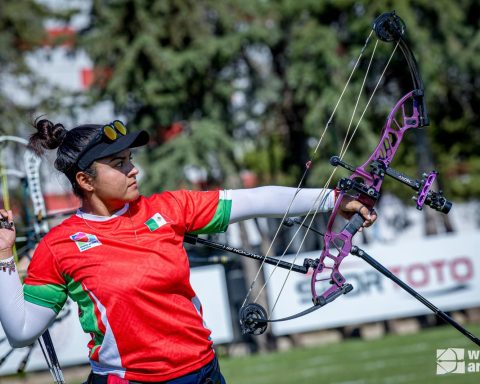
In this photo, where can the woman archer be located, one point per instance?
(121, 258)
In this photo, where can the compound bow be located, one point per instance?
(364, 184)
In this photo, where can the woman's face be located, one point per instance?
(115, 182)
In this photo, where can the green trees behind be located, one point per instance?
(21, 32)
(229, 85)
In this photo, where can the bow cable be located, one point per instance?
(299, 187)
(368, 102)
(343, 150)
(323, 194)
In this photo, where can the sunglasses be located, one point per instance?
(114, 129)
(111, 132)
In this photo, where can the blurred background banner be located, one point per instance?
(446, 270)
(209, 283)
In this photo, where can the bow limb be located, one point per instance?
(389, 27)
(32, 169)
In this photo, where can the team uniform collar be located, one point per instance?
(89, 216)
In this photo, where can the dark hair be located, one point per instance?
(69, 143)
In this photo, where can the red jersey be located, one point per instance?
(129, 274)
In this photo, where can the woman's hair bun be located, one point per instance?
(48, 136)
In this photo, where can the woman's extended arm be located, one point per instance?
(273, 201)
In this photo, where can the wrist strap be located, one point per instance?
(8, 264)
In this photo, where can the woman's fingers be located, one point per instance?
(6, 219)
(369, 215)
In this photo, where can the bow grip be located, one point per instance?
(355, 223)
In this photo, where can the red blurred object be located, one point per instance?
(87, 77)
(63, 36)
(249, 179)
(97, 76)
(59, 203)
(172, 131)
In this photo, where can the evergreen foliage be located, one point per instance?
(251, 84)
(22, 31)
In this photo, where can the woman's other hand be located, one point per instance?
(7, 234)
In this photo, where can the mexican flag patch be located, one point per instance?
(155, 222)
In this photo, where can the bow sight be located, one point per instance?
(423, 187)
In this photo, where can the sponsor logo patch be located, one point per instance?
(85, 241)
(155, 222)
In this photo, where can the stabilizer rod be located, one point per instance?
(193, 239)
(384, 271)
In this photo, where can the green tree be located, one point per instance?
(311, 58)
(170, 64)
(187, 62)
(22, 32)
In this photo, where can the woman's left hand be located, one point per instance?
(349, 206)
